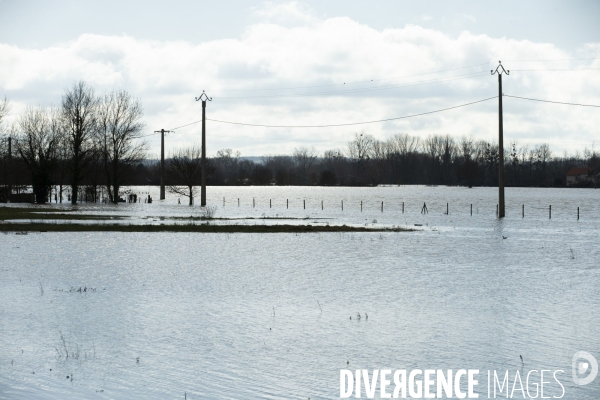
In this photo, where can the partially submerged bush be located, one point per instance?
(210, 211)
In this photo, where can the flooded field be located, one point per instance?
(109, 315)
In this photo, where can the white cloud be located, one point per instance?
(286, 13)
(309, 52)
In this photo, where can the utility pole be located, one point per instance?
(204, 98)
(500, 70)
(9, 167)
(162, 162)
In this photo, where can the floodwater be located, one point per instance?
(174, 315)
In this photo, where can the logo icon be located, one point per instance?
(584, 362)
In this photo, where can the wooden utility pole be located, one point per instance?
(162, 162)
(500, 70)
(9, 168)
(204, 98)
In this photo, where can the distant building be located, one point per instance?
(581, 176)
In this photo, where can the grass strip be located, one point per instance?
(46, 213)
(208, 228)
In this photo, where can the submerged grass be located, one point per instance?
(208, 228)
(46, 213)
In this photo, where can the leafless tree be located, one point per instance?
(467, 148)
(361, 147)
(63, 154)
(119, 130)
(37, 145)
(80, 109)
(403, 143)
(592, 156)
(184, 171)
(283, 168)
(4, 109)
(226, 162)
(304, 158)
(380, 150)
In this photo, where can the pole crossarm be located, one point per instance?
(203, 97)
(500, 69)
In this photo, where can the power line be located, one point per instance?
(355, 82)
(150, 134)
(284, 139)
(558, 69)
(351, 123)
(560, 59)
(177, 118)
(361, 90)
(375, 121)
(548, 101)
(183, 126)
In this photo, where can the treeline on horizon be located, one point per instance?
(93, 144)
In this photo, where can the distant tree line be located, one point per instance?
(403, 159)
(93, 145)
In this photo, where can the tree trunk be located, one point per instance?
(115, 178)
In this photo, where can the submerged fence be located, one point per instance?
(424, 209)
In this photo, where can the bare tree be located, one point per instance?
(226, 164)
(184, 171)
(37, 145)
(304, 158)
(4, 109)
(6, 175)
(119, 128)
(403, 143)
(361, 147)
(79, 108)
(63, 162)
(282, 167)
(467, 148)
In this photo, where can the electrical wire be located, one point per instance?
(177, 118)
(150, 134)
(560, 59)
(346, 124)
(356, 82)
(284, 139)
(361, 90)
(557, 69)
(549, 101)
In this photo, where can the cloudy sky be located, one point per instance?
(316, 63)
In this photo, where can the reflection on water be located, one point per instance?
(268, 315)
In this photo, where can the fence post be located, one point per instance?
(577, 213)
(287, 203)
(253, 204)
(321, 205)
(361, 206)
(550, 211)
(304, 202)
(496, 210)
(223, 201)
(402, 207)
(523, 212)
(471, 209)
(342, 205)
(238, 201)
(447, 213)
(269, 203)
(382, 206)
